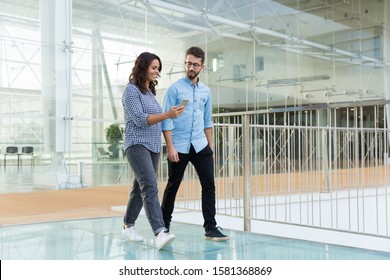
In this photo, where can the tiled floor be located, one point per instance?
(100, 239)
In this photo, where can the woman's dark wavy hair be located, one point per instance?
(139, 73)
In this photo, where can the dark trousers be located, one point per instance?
(204, 166)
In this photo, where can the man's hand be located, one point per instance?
(173, 154)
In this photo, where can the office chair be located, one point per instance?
(27, 151)
(11, 151)
(102, 153)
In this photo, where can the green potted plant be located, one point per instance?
(114, 135)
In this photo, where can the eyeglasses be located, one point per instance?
(189, 64)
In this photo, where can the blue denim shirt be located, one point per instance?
(137, 107)
(189, 127)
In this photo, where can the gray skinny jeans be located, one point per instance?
(144, 192)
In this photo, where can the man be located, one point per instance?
(189, 139)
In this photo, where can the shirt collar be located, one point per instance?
(189, 82)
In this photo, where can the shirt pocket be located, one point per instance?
(200, 103)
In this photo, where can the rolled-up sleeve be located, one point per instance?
(208, 114)
(169, 101)
(133, 108)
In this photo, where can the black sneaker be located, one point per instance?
(215, 235)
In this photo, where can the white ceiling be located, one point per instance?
(303, 24)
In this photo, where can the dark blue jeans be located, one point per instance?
(144, 192)
(204, 166)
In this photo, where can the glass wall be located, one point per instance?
(260, 55)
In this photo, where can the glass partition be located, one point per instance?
(260, 55)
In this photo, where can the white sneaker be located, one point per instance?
(163, 239)
(131, 234)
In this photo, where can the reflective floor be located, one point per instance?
(100, 239)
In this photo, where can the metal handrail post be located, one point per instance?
(246, 149)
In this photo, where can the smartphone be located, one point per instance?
(184, 102)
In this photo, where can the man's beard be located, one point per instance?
(192, 75)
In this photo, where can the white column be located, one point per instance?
(56, 36)
(48, 72)
(97, 89)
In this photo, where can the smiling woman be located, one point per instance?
(143, 116)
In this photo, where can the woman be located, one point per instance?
(142, 146)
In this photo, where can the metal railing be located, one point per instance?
(320, 167)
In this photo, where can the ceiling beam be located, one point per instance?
(263, 31)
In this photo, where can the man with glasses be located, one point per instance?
(189, 139)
